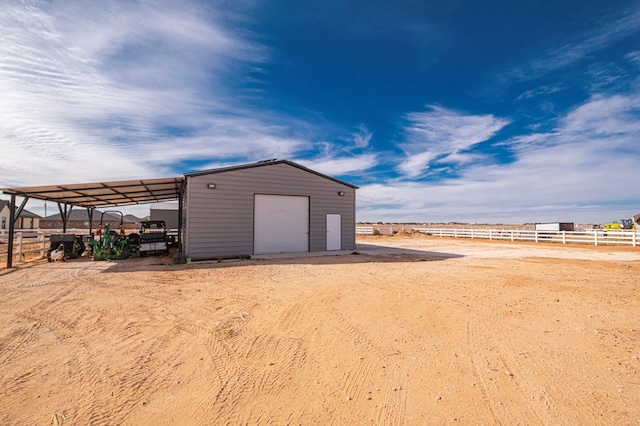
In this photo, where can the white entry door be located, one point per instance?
(334, 232)
(281, 224)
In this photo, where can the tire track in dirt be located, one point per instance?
(246, 366)
(48, 321)
(254, 376)
(537, 383)
(19, 343)
(491, 393)
(393, 409)
(57, 273)
(18, 383)
(126, 383)
(295, 320)
(147, 374)
(548, 385)
(358, 383)
(75, 358)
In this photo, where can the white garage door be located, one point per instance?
(281, 224)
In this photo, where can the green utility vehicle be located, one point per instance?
(110, 244)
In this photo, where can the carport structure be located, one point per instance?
(92, 196)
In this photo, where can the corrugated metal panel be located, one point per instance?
(170, 217)
(221, 220)
(104, 194)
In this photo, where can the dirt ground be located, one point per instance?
(410, 331)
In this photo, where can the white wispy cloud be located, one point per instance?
(440, 133)
(605, 115)
(106, 91)
(362, 137)
(609, 32)
(540, 91)
(76, 105)
(593, 154)
(337, 166)
(633, 57)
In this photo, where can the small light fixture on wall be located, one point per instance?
(211, 185)
(341, 193)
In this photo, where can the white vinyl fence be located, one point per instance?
(364, 230)
(33, 239)
(591, 237)
(29, 241)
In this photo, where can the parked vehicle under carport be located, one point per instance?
(153, 238)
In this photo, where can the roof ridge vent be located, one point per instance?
(271, 160)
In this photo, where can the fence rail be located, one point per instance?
(590, 237)
(30, 241)
(364, 230)
(24, 242)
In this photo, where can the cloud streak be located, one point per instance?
(608, 33)
(441, 134)
(95, 91)
(128, 89)
(554, 177)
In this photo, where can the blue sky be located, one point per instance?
(489, 112)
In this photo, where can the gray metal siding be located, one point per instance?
(170, 217)
(220, 221)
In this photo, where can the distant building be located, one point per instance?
(26, 220)
(79, 219)
(555, 226)
(168, 212)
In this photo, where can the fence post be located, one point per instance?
(564, 241)
(633, 239)
(490, 235)
(455, 232)
(18, 247)
(512, 235)
(41, 239)
(536, 235)
(595, 237)
(472, 233)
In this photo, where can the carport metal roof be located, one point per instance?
(105, 194)
(92, 195)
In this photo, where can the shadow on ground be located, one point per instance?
(364, 253)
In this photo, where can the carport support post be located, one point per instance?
(65, 215)
(12, 218)
(180, 205)
(90, 214)
(14, 214)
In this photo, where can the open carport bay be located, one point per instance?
(410, 331)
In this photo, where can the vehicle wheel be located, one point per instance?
(125, 253)
(49, 255)
(142, 254)
(79, 246)
(134, 239)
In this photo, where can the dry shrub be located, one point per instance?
(407, 233)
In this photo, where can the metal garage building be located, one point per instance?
(274, 206)
(266, 207)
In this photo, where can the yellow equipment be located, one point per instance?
(623, 225)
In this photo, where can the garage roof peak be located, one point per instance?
(266, 163)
